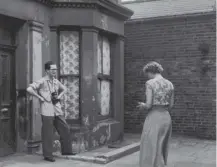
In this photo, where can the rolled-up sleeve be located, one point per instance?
(36, 85)
(172, 86)
(148, 86)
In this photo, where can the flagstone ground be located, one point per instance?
(184, 152)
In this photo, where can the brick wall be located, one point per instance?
(173, 43)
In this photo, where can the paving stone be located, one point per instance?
(190, 164)
(201, 154)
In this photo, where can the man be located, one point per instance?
(49, 91)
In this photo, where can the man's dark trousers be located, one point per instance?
(48, 124)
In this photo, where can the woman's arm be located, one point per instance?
(149, 96)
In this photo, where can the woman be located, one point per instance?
(157, 127)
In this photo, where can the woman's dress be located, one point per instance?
(158, 126)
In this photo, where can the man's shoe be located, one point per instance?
(49, 159)
(68, 153)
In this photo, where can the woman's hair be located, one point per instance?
(153, 67)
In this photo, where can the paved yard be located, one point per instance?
(184, 152)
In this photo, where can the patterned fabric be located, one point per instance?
(99, 55)
(69, 64)
(162, 90)
(103, 54)
(44, 87)
(99, 94)
(70, 101)
(69, 52)
(105, 97)
(106, 56)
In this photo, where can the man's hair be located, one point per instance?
(48, 64)
(153, 67)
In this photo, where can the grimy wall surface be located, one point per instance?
(36, 30)
(176, 44)
(18, 15)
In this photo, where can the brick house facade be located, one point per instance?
(181, 35)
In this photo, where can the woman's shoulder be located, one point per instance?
(161, 81)
(150, 81)
(169, 83)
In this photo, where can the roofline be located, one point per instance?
(137, 1)
(140, 20)
(117, 9)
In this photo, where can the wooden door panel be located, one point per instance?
(7, 142)
(6, 137)
(6, 79)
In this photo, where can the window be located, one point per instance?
(69, 72)
(104, 76)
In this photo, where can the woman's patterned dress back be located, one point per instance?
(161, 89)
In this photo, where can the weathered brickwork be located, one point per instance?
(175, 44)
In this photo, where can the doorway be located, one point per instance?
(7, 103)
(9, 28)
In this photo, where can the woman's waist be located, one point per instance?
(160, 107)
(159, 111)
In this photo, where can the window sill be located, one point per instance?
(102, 118)
(109, 120)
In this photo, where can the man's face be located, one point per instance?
(53, 70)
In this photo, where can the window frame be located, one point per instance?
(60, 76)
(106, 77)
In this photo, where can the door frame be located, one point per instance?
(11, 50)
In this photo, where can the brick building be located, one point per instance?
(181, 35)
(85, 39)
